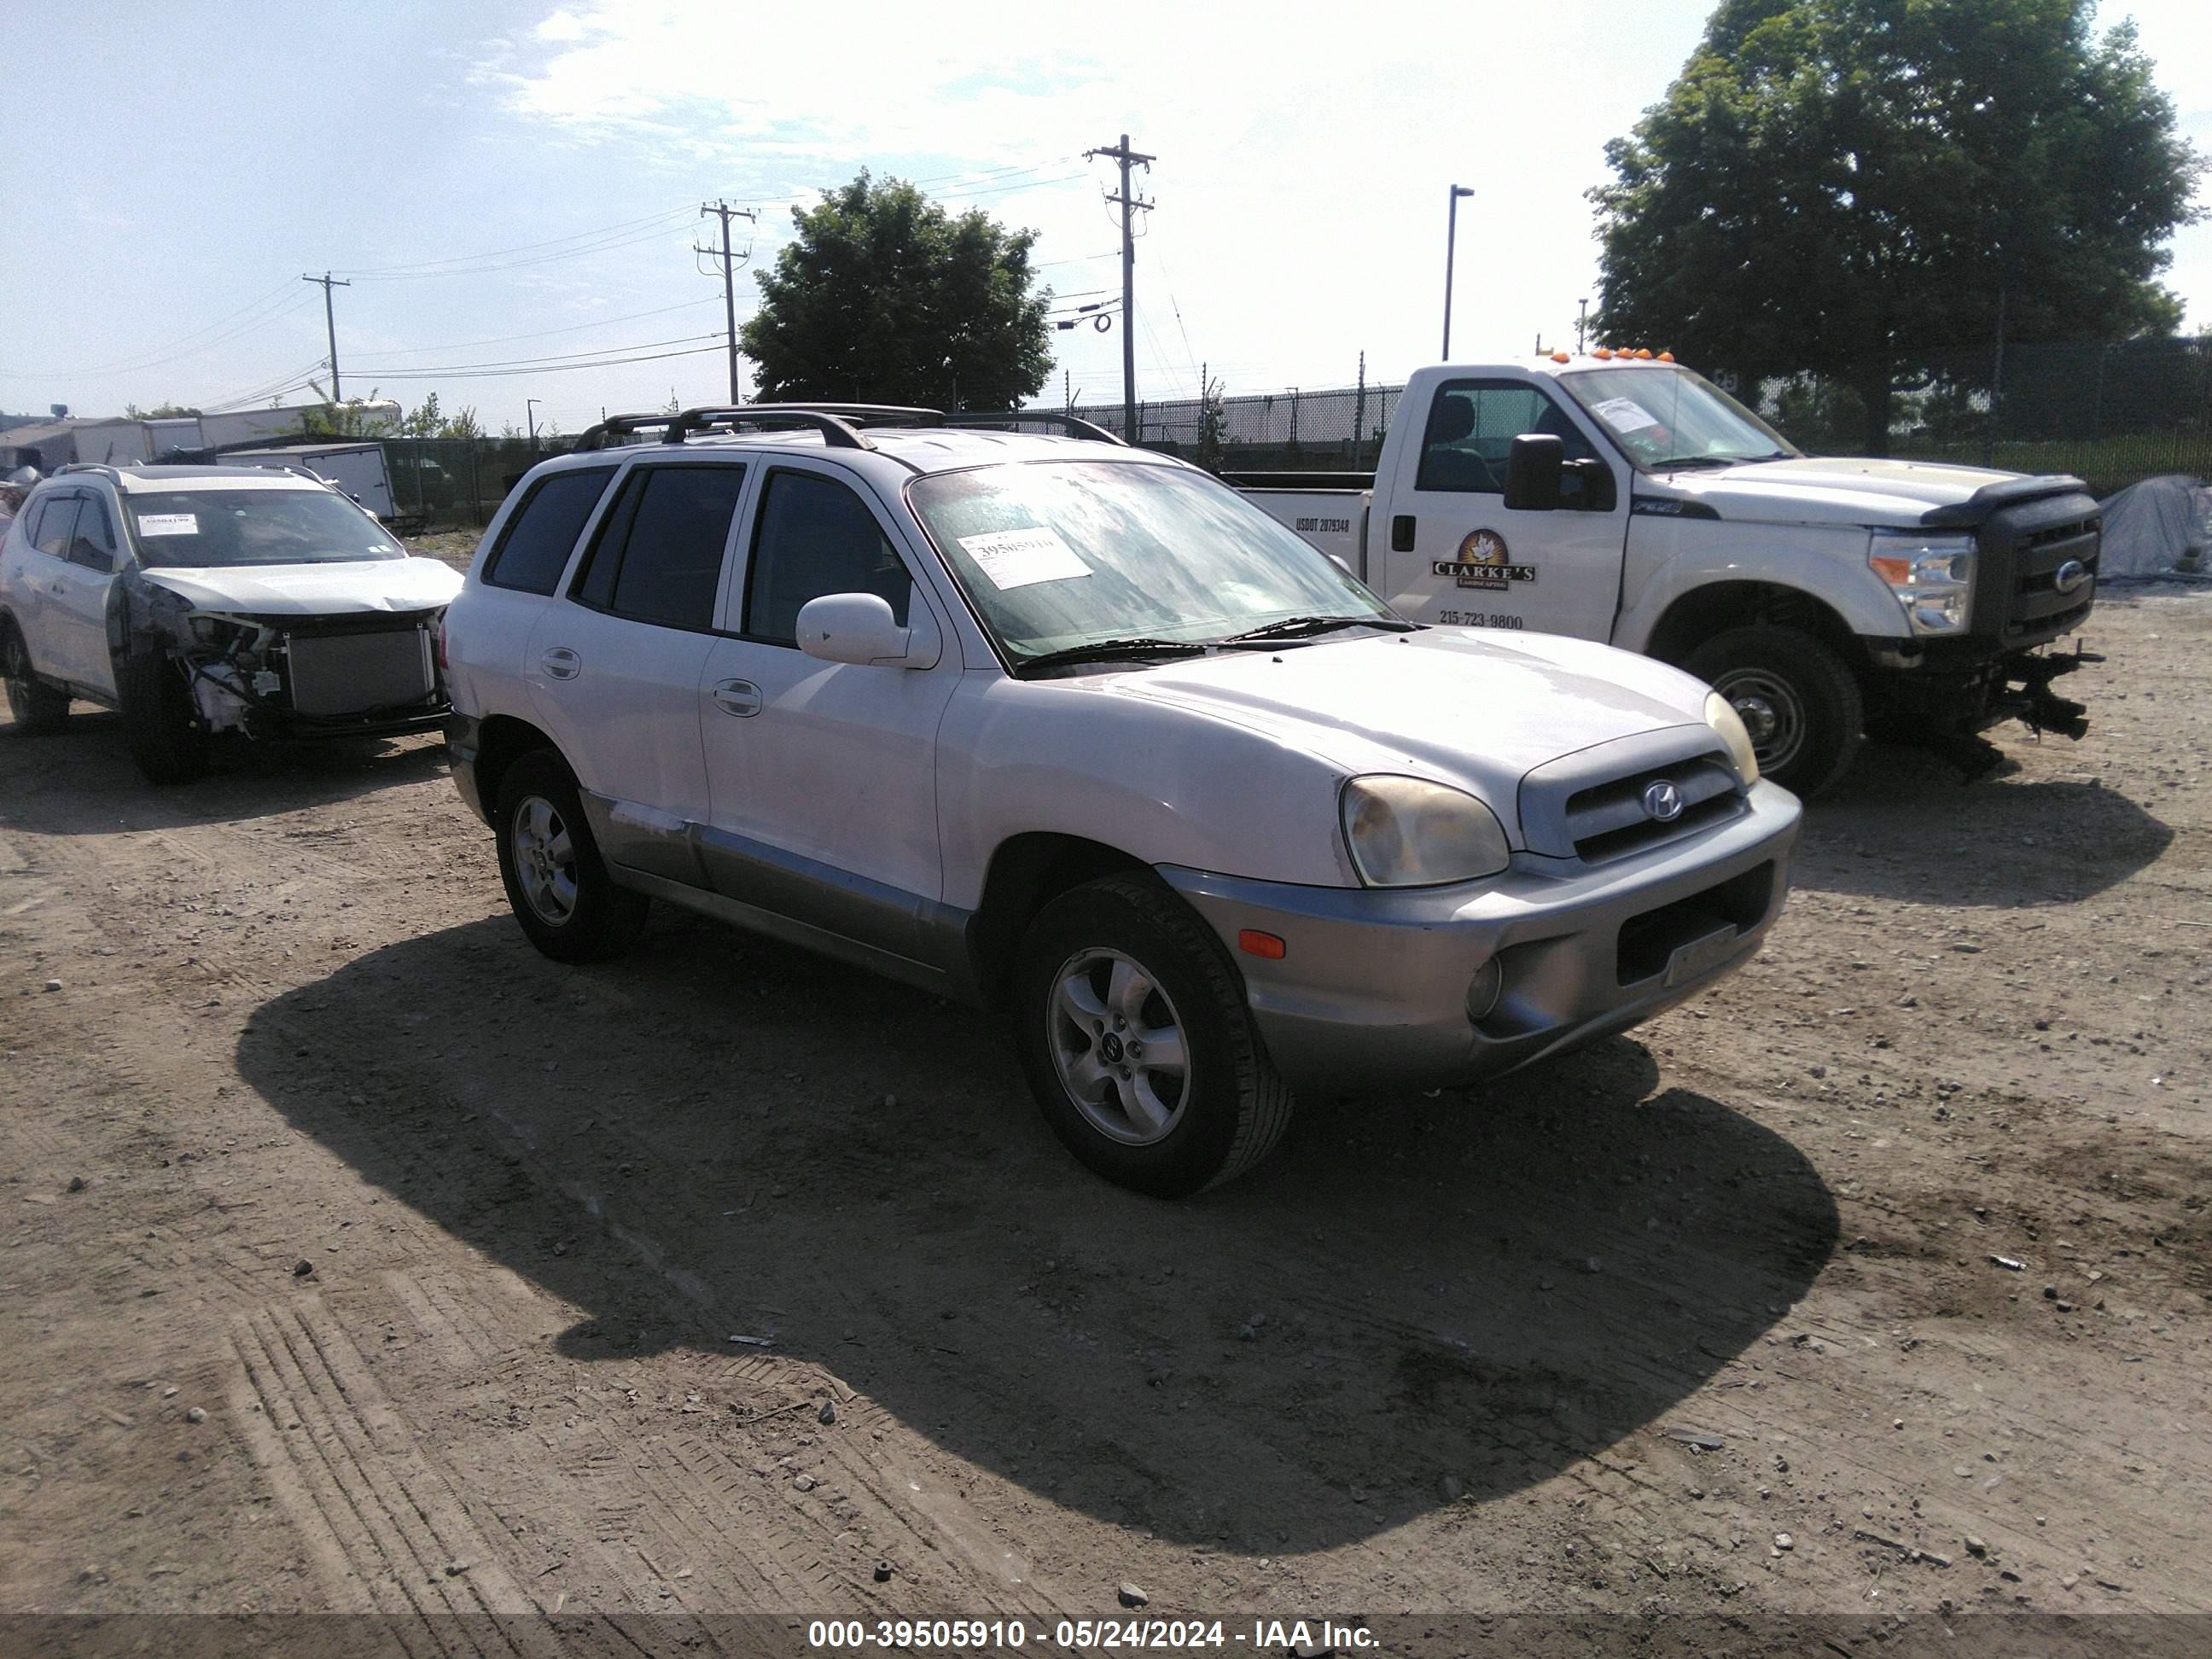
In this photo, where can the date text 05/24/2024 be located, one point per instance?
(1000, 1635)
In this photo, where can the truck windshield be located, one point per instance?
(254, 526)
(1670, 417)
(1059, 556)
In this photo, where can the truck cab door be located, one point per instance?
(1456, 556)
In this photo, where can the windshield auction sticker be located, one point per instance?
(1626, 415)
(1017, 558)
(169, 524)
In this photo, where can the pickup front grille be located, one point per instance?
(2020, 551)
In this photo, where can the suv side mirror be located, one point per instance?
(1532, 473)
(859, 628)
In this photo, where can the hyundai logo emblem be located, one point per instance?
(2069, 575)
(1663, 802)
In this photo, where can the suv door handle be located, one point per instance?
(738, 697)
(562, 664)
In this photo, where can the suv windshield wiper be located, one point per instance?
(1130, 650)
(1301, 627)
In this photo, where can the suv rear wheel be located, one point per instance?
(1132, 1030)
(35, 706)
(556, 880)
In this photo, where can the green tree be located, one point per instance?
(1859, 188)
(350, 419)
(158, 412)
(883, 296)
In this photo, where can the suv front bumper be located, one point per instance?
(1372, 991)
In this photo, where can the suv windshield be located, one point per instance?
(1667, 417)
(1061, 555)
(254, 526)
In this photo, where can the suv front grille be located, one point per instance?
(1609, 821)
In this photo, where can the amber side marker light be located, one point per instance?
(1254, 943)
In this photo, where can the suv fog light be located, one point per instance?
(1483, 989)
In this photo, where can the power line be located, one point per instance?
(427, 266)
(504, 339)
(661, 228)
(416, 370)
(264, 312)
(551, 368)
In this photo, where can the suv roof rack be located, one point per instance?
(114, 472)
(618, 425)
(837, 433)
(1074, 425)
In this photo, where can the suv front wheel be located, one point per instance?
(556, 880)
(1132, 1030)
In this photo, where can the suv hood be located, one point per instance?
(1459, 706)
(1815, 489)
(312, 590)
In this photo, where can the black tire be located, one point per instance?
(159, 722)
(1799, 699)
(36, 707)
(1231, 1107)
(578, 913)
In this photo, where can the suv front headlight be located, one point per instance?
(1728, 725)
(1933, 576)
(1408, 832)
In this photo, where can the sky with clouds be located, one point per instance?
(513, 188)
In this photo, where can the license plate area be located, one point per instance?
(1680, 941)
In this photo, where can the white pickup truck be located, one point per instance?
(1618, 497)
(1071, 730)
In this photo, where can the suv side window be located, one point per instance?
(57, 525)
(537, 540)
(814, 536)
(1472, 423)
(658, 557)
(93, 544)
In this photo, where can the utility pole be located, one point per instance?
(1359, 414)
(724, 212)
(1451, 244)
(1129, 205)
(1582, 324)
(530, 414)
(330, 322)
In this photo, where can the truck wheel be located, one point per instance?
(1132, 1027)
(35, 706)
(1798, 699)
(159, 723)
(556, 880)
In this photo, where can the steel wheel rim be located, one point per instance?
(1772, 712)
(1117, 1044)
(17, 672)
(544, 859)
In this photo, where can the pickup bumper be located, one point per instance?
(1373, 991)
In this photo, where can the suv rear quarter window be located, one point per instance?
(534, 548)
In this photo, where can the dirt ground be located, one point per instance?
(353, 1256)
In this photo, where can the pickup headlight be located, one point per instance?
(1728, 725)
(1408, 832)
(1932, 577)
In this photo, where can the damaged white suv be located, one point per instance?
(203, 602)
(1073, 731)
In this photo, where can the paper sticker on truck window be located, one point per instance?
(1017, 558)
(1626, 415)
(169, 524)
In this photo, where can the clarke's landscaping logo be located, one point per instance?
(1482, 563)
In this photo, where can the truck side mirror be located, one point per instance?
(1532, 473)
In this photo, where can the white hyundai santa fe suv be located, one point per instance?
(1071, 730)
(215, 602)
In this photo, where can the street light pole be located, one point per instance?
(1451, 240)
(530, 414)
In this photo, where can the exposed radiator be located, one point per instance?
(336, 674)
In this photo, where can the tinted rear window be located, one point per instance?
(538, 538)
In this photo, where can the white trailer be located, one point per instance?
(356, 468)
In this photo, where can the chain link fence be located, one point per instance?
(458, 483)
(2112, 413)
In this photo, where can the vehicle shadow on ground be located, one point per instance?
(1902, 825)
(96, 789)
(1462, 1294)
